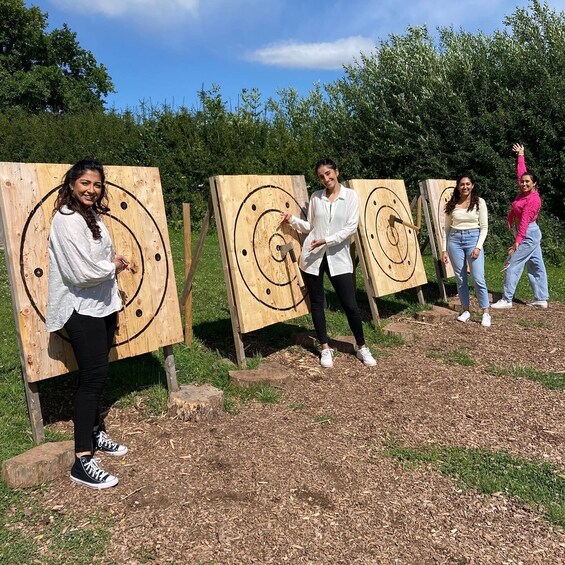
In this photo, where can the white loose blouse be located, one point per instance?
(82, 275)
(333, 221)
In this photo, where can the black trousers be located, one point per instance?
(345, 290)
(91, 339)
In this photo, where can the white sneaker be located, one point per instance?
(326, 359)
(464, 317)
(502, 303)
(365, 355)
(485, 322)
(538, 304)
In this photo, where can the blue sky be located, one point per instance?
(166, 51)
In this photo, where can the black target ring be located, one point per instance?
(397, 235)
(275, 239)
(161, 299)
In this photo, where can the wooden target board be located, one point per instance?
(262, 285)
(390, 248)
(438, 192)
(137, 225)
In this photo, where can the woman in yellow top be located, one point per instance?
(466, 227)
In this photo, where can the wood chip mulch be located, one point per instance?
(307, 481)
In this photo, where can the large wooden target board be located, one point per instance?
(137, 224)
(261, 283)
(390, 248)
(438, 192)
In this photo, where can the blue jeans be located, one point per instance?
(460, 245)
(528, 253)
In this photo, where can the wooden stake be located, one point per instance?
(187, 304)
(203, 232)
(170, 369)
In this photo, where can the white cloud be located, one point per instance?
(297, 55)
(160, 10)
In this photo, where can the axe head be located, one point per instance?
(393, 220)
(288, 248)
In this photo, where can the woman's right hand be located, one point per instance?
(286, 217)
(444, 257)
(518, 148)
(121, 263)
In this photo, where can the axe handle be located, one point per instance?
(407, 224)
(298, 274)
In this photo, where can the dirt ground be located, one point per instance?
(306, 480)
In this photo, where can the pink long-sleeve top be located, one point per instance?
(525, 208)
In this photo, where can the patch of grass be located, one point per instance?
(548, 379)
(263, 393)
(533, 324)
(30, 533)
(537, 484)
(294, 406)
(454, 357)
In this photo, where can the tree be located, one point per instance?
(41, 70)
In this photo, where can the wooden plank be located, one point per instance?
(186, 304)
(248, 209)
(199, 247)
(390, 247)
(437, 193)
(137, 223)
(234, 314)
(369, 288)
(438, 265)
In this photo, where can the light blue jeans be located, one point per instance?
(528, 253)
(460, 245)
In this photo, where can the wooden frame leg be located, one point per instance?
(170, 369)
(34, 410)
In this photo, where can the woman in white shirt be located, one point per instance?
(466, 227)
(83, 299)
(333, 216)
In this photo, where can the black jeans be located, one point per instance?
(345, 290)
(91, 339)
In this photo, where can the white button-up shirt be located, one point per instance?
(82, 275)
(333, 221)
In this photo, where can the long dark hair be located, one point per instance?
(325, 162)
(65, 197)
(452, 202)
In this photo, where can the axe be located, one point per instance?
(395, 219)
(288, 249)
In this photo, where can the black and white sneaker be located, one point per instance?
(86, 472)
(106, 445)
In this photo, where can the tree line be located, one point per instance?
(419, 106)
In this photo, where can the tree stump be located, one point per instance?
(194, 403)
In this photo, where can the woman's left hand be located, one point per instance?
(475, 253)
(317, 243)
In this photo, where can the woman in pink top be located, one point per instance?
(526, 250)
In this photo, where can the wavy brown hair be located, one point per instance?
(452, 202)
(65, 197)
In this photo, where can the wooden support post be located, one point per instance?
(187, 305)
(34, 410)
(237, 335)
(430, 226)
(369, 289)
(203, 232)
(170, 369)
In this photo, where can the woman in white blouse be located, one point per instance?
(83, 299)
(333, 216)
(466, 227)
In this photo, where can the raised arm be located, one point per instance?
(520, 161)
